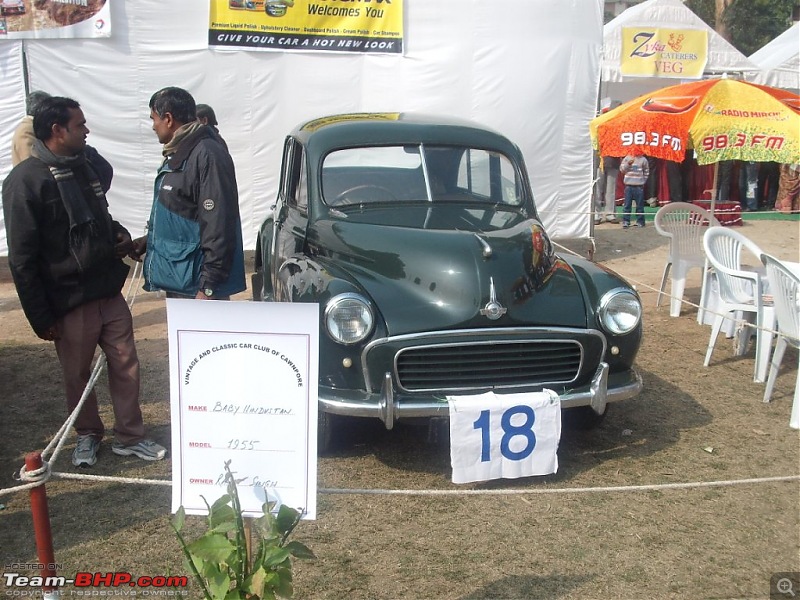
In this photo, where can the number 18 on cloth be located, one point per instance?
(494, 436)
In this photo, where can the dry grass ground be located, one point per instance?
(691, 424)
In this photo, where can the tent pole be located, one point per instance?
(26, 77)
(714, 188)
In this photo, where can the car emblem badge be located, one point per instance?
(493, 309)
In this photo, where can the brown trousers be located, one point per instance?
(109, 324)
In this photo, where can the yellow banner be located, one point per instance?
(669, 53)
(373, 26)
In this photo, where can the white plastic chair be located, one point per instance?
(740, 290)
(684, 224)
(785, 288)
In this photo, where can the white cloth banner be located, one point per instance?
(508, 436)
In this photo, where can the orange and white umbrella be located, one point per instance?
(720, 119)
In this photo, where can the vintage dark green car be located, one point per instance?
(419, 239)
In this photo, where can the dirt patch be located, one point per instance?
(691, 424)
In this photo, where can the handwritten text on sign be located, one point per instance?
(495, 436)
(245, 396)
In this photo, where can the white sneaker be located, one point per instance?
(85, 453)
(145, 449)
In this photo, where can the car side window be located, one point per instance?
(285, 167)
(489, 175)
(296, 179)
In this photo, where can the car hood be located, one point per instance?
(423, 280)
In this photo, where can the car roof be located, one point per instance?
(324, 134)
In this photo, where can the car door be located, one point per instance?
(291, 213)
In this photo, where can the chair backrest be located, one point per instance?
(684, 223)
(723, 248)
(785, 289)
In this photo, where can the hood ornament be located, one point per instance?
(487, 249)
(493, 309)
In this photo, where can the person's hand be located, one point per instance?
(124, 245)
(138, 248)
(200, 295)
(50, 334)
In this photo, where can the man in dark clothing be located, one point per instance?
(193, 247)
(65, 254)
(207, 116)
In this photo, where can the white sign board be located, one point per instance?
(243, 388)
(508, 436)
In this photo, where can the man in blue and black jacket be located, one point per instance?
(193, 247)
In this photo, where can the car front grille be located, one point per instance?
(488, 365)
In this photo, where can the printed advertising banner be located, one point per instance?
(367, 26)
(42, 19)
(670, 53)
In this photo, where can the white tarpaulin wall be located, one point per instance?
(528, 68)
(665, 14)
(12, 107)
(779, 61)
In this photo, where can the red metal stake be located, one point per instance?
(41, 524)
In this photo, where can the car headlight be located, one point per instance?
(620, 311)
(349, 318)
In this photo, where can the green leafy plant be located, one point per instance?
(219, 558)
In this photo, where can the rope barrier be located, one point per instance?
(470, 492)
(112, 479)
(576, 490)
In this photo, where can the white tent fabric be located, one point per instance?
(722, 56)
(12, 109)
(527, 68)
(779, 61)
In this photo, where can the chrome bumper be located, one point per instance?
(387, 408)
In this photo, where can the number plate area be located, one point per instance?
(504, 436)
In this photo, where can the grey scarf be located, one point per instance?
(180, 134)
(82, 222)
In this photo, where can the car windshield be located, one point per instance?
(419, 173)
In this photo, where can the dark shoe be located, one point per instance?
(85, 453)
(625, 225)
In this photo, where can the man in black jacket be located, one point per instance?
(65, 253)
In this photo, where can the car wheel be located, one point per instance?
(326, 426)
(257, 285)
(582, 418)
